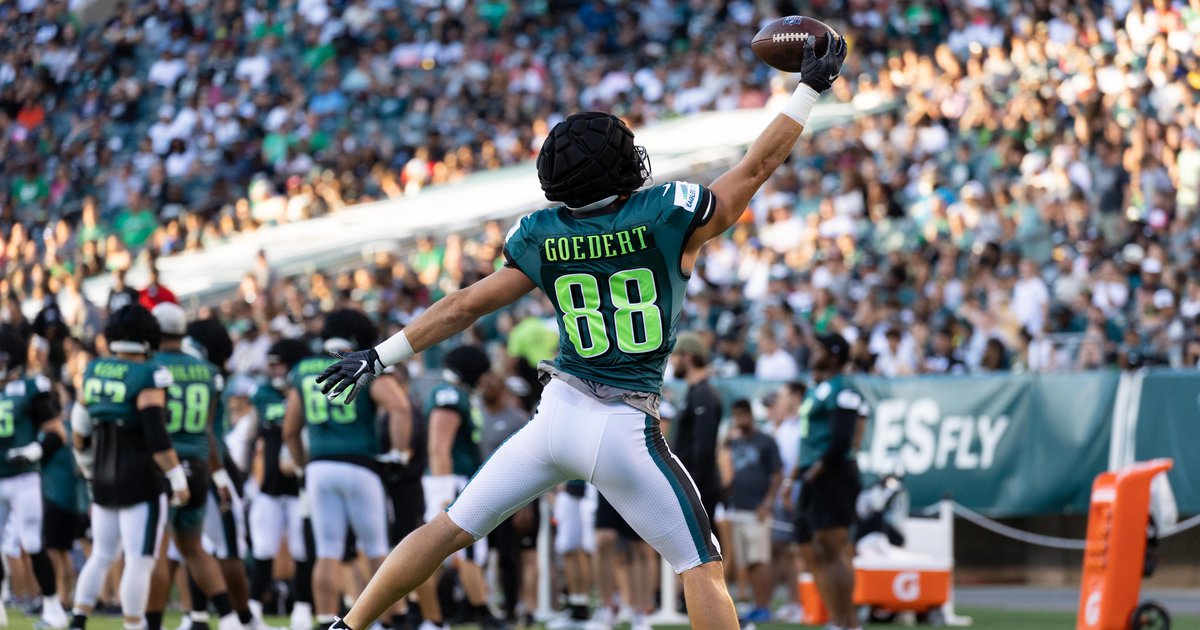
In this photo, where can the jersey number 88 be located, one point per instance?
(637, 320)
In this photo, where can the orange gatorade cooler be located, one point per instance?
(916, 584)
(810, 600)
(1116, 547)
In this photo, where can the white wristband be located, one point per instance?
(178, 479)
(394, 349)
(800, 105)
(221, 479)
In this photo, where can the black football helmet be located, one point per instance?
(132, 329)
(468, 364)
(352, 325)
(590, 156)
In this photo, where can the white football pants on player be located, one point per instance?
(21, 510)
(342, 495)
(270, 517)
(225, 532)
(576, 522)
(134, 530)
(615, 447)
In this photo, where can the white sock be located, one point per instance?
(51, 605)
(229, 622)
(199, 616)
(256, 609)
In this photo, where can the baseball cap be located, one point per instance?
(171, 318)
(836, 345)
(691, 343)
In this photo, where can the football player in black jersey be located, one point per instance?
(123, 446)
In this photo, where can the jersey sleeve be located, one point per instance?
(689, 206)
(515, 244)
(160, 377)
(446, 397)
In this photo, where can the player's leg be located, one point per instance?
(105, 548)
(406, 500)
(330, 523)
(368, 517)
(226, 529)
(141, 531)
(60, 528)
(829, 503)
(568, 544)
(527, 522)
(300, 546)
(207, 574)
(267, 525)
(650, 488)
(27, 514)
(520, 470)
(160, 584)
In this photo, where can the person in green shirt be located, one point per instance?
(339, 460)
(191, 405)
(31, 432)
(135, 224)
(615, 260)
(455, 424)
(122, 446)
(829, 420)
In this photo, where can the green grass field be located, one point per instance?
(985, 619)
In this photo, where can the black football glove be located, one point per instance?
(819, 73)
(354, 371)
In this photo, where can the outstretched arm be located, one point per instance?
(734, 189)
(447, 317)
(455, 312)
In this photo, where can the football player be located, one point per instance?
(275, 511)
(225, 514)
(454, 455)
(575, 543)
(122, 445)
(615, 260)
(341, 477)
(31, 431)
(830, 480)
(192, 401)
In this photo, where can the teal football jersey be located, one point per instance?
(17, 425)
(614, 277)
(464, 453)
(336, 431)
(189, 401)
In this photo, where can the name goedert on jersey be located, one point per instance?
(559, 249)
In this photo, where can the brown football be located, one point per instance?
(780, 43)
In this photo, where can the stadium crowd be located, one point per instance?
(1028, 202)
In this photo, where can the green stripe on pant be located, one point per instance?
(150, 539)
(689, 501)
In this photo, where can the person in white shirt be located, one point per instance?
(774, 363)
(165, 71)
(162, 132)
(1030, 297)
(254, 67)
(1110, 291)
(896, 359)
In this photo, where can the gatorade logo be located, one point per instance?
(1091, 610)
(907, 586)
